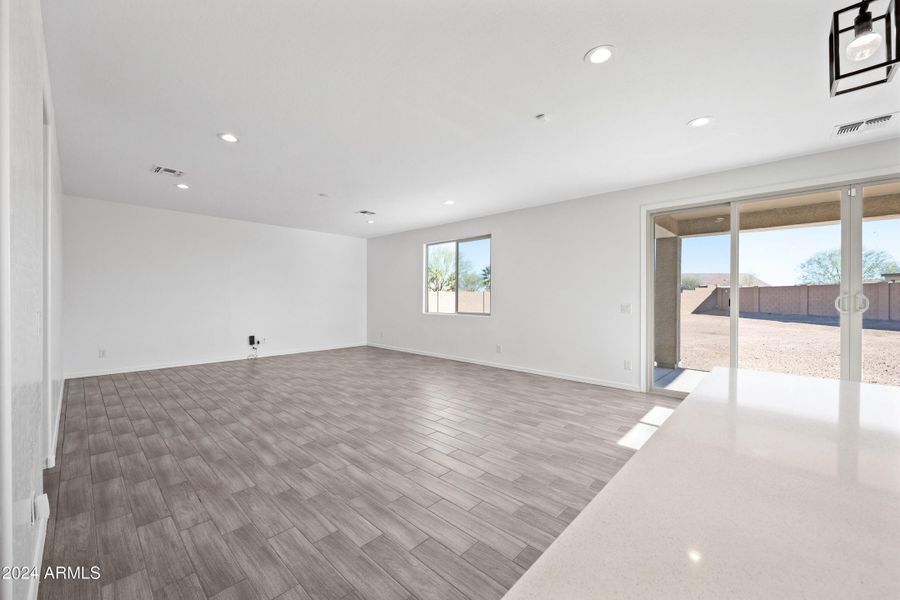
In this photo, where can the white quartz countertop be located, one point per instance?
(758, 486)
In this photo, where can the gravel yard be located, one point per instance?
(807, 348)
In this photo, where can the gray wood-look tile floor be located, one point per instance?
(356, 473)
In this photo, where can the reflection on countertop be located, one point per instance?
(759, 485)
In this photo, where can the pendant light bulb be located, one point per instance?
(865, 41)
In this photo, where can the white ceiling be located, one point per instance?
(397, 106)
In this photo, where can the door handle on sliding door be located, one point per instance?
(864, 305)
(839, 304)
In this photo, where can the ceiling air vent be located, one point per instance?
(365, 212)
(879, 122)
(160, 170)
(863, 126)
(849, 128)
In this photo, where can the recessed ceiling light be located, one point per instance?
(700, 121)
(182, 186)
(449, 202)
(228, 137)
(600, 54)
(370, 221)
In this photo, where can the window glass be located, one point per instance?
(474, 295)
(441, 277)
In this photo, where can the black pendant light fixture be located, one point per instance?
(863, 50)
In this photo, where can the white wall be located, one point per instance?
(156, 288)
(28, 320)
(561, 272)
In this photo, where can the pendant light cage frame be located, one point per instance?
(843, 82)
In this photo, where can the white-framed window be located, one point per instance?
(458, 276)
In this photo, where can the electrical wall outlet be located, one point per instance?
(499, 348)
(625, 309)
(627, 365)
(101, 353)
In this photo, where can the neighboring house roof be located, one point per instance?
(723, 279)
(891, 276)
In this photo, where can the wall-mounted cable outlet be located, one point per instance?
(101, 353)
(254, 343)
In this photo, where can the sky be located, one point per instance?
(775, 255)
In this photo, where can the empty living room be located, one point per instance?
(252, 346)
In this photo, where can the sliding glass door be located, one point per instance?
(879, 291)
(807, 284)
(790, 275)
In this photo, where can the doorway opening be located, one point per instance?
(691, 269)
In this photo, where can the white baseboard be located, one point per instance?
(50, 461)
(151, 367)
(201, 361)
(611, 384)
